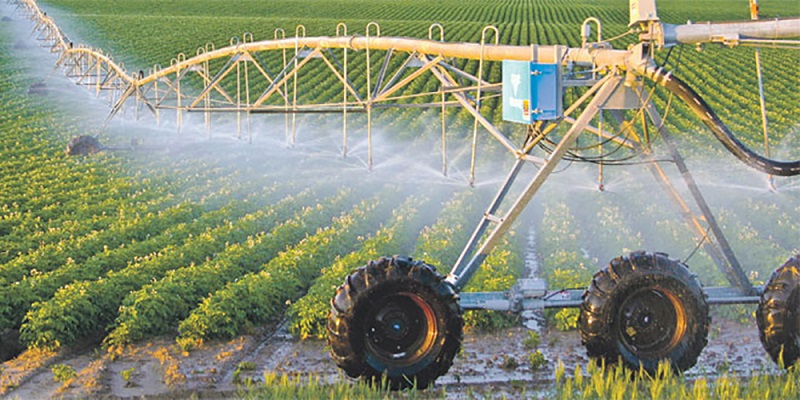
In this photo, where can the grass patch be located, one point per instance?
(615, 382)
(312, 387)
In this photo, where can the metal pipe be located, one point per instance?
(239, 100)
(444, 137)
(731, 268)
(730, 31)
(369, 94)
(546, 54)
(342, 26)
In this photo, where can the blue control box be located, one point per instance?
(531, 91)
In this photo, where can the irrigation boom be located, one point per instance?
(399, 317)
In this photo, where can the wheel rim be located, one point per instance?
(401, 329)
(651, 321)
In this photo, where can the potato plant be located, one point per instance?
(259, 297)
(78, 309)
(158, 306)
(309, 314)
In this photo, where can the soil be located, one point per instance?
(490, 363)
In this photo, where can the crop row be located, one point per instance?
(80, 308)
(441, 243)
(260, 297)
(156, 307)
(564, 261)
(17, 298)
(47, 258)
(309, 314)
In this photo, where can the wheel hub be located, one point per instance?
(651, 321)
(401, 328)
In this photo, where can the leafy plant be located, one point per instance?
(259, 297)
(532, 341)
(308, 315)
(158, 306)
(607, 382)
(241, 367)
(536, 360)
(63, 373)
(127, 375)
(78, 309)
(509, 363)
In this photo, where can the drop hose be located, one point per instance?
(718, 128)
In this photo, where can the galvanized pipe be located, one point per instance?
(707, 32)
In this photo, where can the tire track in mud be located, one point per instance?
(274, 349)
(532, 319)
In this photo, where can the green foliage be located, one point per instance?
(309, 386)
(536, 360)
(441, 243)
(241, 367)
(532, 341)
(78, 309)
(158, 306)
(127, 375)
(16, 300)
(605, 382)
(509, 363)
(257, 298)
(308, 316)
(563, 261)
(63, 373)
(499, 272)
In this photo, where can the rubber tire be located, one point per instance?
(627, 278)
(83, 145)
(778, 313)
(362, 296)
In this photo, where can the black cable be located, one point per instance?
(572, 156)
(667, 57)
(700, 243)
(719, 129)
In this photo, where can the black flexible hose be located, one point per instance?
(719, 129)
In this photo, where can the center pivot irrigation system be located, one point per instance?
(400, 318)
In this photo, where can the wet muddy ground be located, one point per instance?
(491, 364)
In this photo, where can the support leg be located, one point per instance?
(730, 267)
(464, 270)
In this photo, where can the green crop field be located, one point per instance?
(202, 242)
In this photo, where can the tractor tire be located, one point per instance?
(396, 318)
(778, 314)
(642, 309)
(83, 145)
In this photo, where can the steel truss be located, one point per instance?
(251, 77)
